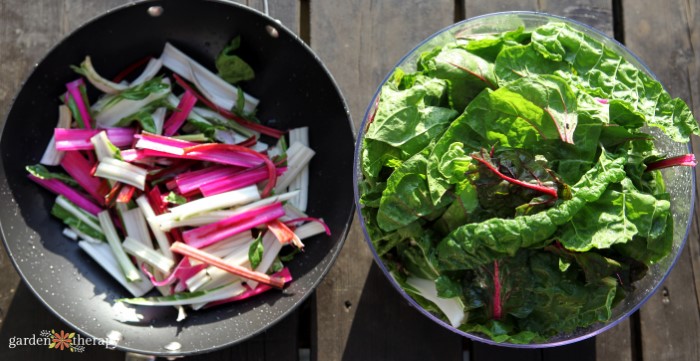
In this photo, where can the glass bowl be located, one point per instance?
(680, 181)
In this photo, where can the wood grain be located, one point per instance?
(477, 7)
(360, 42)
(482, 351)
(286, 11)
(596, 13)
(665, 36)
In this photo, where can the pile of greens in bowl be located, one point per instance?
(509, 187)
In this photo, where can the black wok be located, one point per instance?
(295, 89)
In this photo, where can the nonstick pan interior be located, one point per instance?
(295, 90)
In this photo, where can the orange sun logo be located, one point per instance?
(61, 340)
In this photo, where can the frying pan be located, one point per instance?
(294, 89)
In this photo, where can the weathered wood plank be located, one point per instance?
(694, 236)
(670, 321)
(384, 323)
(286, 11)
(665, 36)
(615, 343)
(360, 41)
(693, 74)
(580, 351)
(478, 7)
(485, 352)
(596, 13)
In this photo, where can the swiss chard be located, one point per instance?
(410, 117)
(467, 73)
(603, 72)
(507, 185)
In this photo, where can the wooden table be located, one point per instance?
(355, 314)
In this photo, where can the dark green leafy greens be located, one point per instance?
(511, 171)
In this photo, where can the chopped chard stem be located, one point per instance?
(130, 272)
(52, 156)
(687, 160)
(243, 272)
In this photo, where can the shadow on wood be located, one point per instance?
(386, 327)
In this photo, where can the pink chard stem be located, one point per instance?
(74, 91)
(180, 114)
(687, 160)
(497, 307)
(549, 191)
(60, 188)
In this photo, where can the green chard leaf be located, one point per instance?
(554, 95)
(75, 222)
(144, 117)
(417, 252)
(255, 252)
(449, 159)
(138, 92)
(497, 173)
(606, 74)
(277, 265)
(507, 118)
(231, 67)
(406, 121)
(406, 197)
(516, 62)
(488, 46)
(467, 74)
(289, 256)
(476, 244)
(448, 287)
(538, 299)
(40, 171)
(562, 302)
(174, 198)
(620, 215)
(653, 243)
